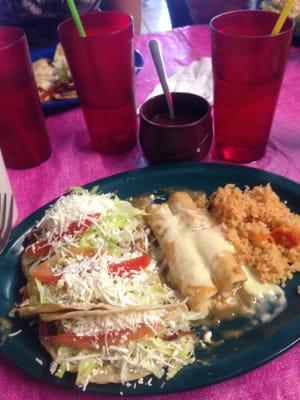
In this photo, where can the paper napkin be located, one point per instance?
(194, 78)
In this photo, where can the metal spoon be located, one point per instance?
(161, 71)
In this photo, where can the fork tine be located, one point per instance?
(2, 213)
(5, 230)
(10, 213)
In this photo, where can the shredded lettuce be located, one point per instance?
(80, 190)
(115, 230)
(95, 190)
(36, 292)
(158, 289)
(85, 371)
(61, 370)
(175, 353)
(41, 292)
(77, 190)
(63, 355)
(153, 355)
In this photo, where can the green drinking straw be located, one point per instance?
(76, 18)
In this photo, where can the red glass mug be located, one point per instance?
(23, 136)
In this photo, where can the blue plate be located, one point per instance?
(234, 357)
(48, 52)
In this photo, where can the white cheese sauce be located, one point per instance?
(268, 299)
(194, 253)
(189, 267)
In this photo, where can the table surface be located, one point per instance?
(74, 162)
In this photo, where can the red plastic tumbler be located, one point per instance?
(23, 136)
(248, 67)
(102, 66)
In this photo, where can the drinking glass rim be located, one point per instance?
(85, 15)
(235, 35)
(14, 41)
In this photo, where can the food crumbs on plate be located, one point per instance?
(207, 337)
(5, 329)
(15, 333)
(39, 361)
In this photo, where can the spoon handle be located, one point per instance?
(161, 71)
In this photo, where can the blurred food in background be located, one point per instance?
(39, 18)
(277, 5)
(46, 8)
(53, 77)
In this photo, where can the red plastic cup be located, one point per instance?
(23, 136)
(102, 66)
(248, 67)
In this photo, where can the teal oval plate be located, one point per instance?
(234, 357)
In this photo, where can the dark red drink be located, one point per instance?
(187, 137)
(181, 118)
(23, 136)
(112, 130)
(102, 65)
(248, 66)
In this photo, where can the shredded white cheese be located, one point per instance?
(73, 207)
(89, 281)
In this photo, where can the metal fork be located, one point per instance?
(6, 218)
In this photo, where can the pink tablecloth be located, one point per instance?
(73, 162)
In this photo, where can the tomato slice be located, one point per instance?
(286, 236)
(258, 238)
(77, 227)
(47, 93)
(40, 249)
(43, 247)
(119, 337)
(133, 264)
(44, 273)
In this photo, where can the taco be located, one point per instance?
(91, 251)
(121, 346)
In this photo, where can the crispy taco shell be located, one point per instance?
(47, 308)
(69, 314)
